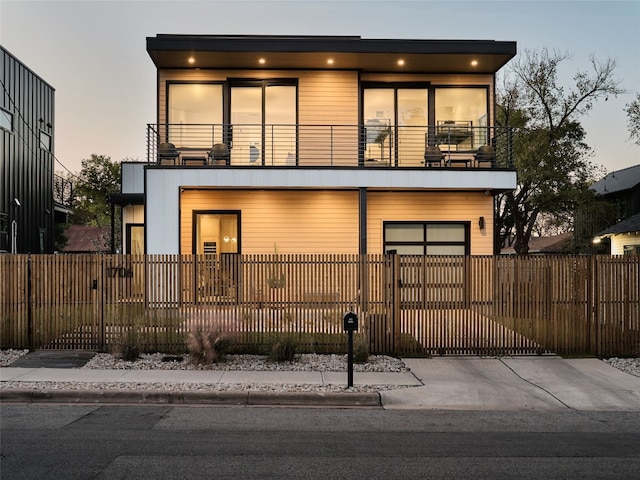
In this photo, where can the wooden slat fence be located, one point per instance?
(408, 305)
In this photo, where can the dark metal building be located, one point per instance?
(26, 159)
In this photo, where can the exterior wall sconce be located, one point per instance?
(481, 223)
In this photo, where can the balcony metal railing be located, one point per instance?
(62, 191)
(443, 145)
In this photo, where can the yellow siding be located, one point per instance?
(327, 221)
(297, 221)
(434, 206)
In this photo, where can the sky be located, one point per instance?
(94, 53)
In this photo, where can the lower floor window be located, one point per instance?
(427, 238)
(135, 238)
(216, 232)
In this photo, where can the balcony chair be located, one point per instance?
(485, 156)
(433, 156)
(254, 154)
(167, 154)
(220, 154)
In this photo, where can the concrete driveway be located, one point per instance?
(516, 383)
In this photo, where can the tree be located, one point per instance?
(632, 110)
(98, 178)
(549, 151)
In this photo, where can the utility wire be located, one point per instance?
(24, 141)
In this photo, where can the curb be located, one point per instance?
(150, 397)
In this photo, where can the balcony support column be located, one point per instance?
(362, 220)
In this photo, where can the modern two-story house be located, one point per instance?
(310, 144)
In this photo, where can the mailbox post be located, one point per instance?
(350, 325)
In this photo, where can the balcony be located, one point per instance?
(376, 144)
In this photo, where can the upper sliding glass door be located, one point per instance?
(395, 121)
(246, 121)
(263, 124)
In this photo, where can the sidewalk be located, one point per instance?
(236, 396)
(451, 383)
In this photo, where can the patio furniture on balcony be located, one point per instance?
(433, 156)
(485, 157)
(336, 146)
(167, 154)
(454, 133)
(254, 154)
(194, 160)
(220, 154)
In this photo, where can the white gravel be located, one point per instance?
(629, 365)
(308, 362)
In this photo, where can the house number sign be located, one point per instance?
(119, 272)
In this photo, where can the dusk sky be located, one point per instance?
(94, 53)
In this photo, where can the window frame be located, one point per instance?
(425, 242)
(194, 227)
(9, 116)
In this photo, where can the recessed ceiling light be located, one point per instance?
(401, 62)
(192, 60)
(474, 63)
(330, 61)
(262, 61)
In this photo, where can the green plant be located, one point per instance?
(128, 345)
(208, 347)
(361, 348)
(284, 349)
(277, 277)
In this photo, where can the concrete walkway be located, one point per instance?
(449, 383)
(516, 383)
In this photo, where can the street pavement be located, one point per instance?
(441, 383)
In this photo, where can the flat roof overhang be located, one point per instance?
(124, 199)
(313, 52)
(326, 178)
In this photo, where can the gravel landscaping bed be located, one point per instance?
(308, 362)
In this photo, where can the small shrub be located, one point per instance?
(284, 349)
(208, 347)
(361, 348)
(127, 345)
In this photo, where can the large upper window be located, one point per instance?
(427, 238)
(195, 114)
(459, 112)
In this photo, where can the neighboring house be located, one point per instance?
(620, 192)
(624, 236)
(87, 239)
(319, 145)
(553, 244)
(27, 207)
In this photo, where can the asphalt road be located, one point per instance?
(167, 442)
